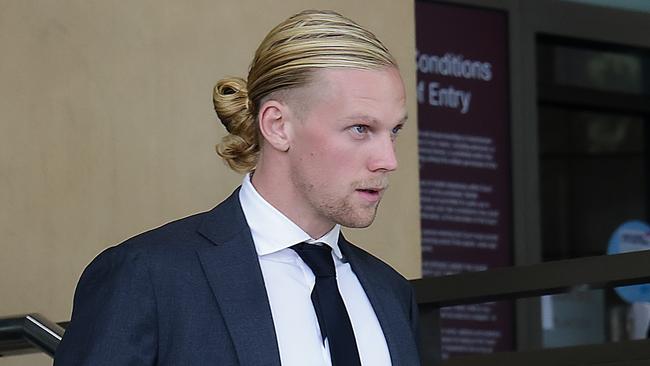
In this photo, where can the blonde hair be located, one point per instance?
(286, 59)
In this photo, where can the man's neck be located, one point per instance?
(281, 195)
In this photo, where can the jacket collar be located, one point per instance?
(235, 277)
(384, 301)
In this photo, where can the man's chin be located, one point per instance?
(359, 221)
(357, 225)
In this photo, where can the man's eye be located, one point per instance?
(396, 130)
(360, 129)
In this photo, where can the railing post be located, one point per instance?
(430, 349)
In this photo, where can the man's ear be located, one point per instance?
(274, 126)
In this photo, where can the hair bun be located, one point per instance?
(230, 98)
(239, 148)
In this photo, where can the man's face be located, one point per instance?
(343, 148)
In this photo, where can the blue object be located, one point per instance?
(631, 236)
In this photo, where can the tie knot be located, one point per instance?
(317, 257)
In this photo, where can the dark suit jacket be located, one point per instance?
(191, 293)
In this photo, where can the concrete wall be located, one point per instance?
(107, 129)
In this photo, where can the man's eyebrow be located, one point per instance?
(369, 119)
(361, 117)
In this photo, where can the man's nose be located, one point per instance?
(384, 157)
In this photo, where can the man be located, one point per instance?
(265, 278)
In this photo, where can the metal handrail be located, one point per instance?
(510, 283)
(29, 333)
(534, 280)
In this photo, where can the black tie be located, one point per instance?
(330, 310)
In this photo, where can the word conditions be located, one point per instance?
(449, 65)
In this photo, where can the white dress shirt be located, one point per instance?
(289, 282)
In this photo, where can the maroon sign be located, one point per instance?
(464, 151)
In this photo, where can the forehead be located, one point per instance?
(377, 93)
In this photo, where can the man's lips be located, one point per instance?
(372, 194)
(377, 190)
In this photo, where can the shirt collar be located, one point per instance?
(272, 231)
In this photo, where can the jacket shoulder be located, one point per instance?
(188, 233)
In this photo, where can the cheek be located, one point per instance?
(333, 159)
(322, 148)
(330, 157)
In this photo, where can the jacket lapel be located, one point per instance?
(383, 300)
(234, 274)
